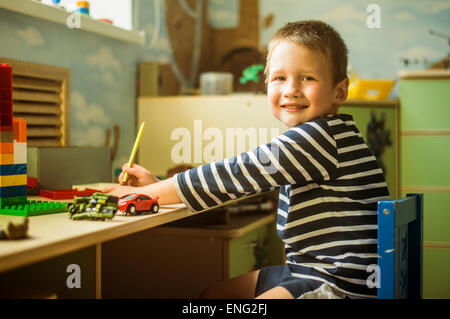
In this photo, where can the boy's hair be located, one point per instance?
(314, 35)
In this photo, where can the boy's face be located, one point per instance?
(300, 84)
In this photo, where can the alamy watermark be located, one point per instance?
(211, 145)
(373, 20)
(74, 279)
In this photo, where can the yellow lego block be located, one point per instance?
(13, 180)
(6, 159)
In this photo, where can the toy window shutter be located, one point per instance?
(41, 96)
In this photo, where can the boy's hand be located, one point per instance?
(137, 176)
(119, 191)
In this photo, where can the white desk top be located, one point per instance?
(55, 234)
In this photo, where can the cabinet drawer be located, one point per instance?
(436, 277)
(424, 160)
(436, 216)
(424, 104)
(242, 257)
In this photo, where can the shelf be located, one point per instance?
(60, 16)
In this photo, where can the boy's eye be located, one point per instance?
(307, 78)
(280, 78)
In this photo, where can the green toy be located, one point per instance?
(251, 73)
(99, 206)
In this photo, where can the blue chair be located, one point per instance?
(400, 247)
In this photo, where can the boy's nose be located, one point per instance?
(292, 89)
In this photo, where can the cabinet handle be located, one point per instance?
(251, 245)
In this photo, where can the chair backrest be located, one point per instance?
(400, 247)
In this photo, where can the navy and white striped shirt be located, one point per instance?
(329, 183)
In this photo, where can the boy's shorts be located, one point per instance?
(274, 276)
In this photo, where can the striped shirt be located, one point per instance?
(329, 184)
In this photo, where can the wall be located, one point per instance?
(373, 52)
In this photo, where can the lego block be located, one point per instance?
(13, 201)
(15, 169)
(6, 159)
(20, 153)
(7, 148)
(35, 208)
(20, 130)
(6, 136)
(11, 191)
(32, 182)
(66, 193)
(6, 119)
(5, 94)
(62, 167)
(6, 106)
(13, 180)
(5, 76)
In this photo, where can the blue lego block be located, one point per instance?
(14, 169)
(10, 191)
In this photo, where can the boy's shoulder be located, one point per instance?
(330, 122)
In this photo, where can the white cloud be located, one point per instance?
(345, 13)
(420, 52)
(403, 15)
(93, 136)
(85, 113)
(32, 36)
(346, 17)
(104, 60)
(438, 6)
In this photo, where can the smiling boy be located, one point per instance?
(328, 179)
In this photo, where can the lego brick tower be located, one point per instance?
(13, 146)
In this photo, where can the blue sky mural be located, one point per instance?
(373, 52)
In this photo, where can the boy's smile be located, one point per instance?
(300, 84)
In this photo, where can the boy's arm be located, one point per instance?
(164, 189)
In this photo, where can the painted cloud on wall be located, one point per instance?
(31, 36)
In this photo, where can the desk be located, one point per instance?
(40, 262)
(55, 235)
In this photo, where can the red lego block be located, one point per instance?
(7, 148)
(6, 129)
(5, 76)
(6, 107)
(5, 119)
(6, 136)
(20, 130)
(66, 193)
(5, 94)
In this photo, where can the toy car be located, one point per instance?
(133, 203)
(99, 206)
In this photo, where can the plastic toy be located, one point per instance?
(251, 73)
(13, 148)
(33, 208)
(13, 227)
(66, 193)
(99, 206)
(83, 7)
(133, 203)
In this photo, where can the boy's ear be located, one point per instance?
(341, 92)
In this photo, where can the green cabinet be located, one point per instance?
(386, 118)
(424, 153)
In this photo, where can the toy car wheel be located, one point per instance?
(155, 208)
(131, 210)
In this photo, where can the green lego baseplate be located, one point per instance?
(34, 208)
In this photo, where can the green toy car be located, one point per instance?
(99, 206)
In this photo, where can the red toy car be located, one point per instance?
(133, 203)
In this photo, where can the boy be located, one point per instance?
(329, 181)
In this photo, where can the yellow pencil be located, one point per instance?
(133, 152)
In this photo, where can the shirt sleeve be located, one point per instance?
(303, 154)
